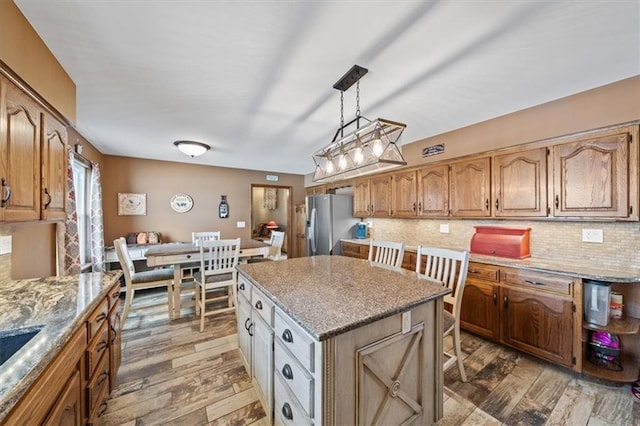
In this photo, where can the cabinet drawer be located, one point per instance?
(539, 281)
(294, 376)
(114, 295)
(295, 339)
(97, 385)
(97, 348)
(262, 306)
(97, 318)
(286, 408)
(483, 272)
(244, 287)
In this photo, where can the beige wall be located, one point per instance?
(205, 184)
(24, 52)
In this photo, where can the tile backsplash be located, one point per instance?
(561, 241)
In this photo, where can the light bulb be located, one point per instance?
(357, 155)
(377, 144)
(342, 162)
(330, 168)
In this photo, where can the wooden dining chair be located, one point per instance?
(141, 280)
(449, 267)
(216, 279)
(386, 252)
(205, 235)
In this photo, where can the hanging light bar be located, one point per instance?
(369, 149)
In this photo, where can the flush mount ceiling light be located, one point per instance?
(192, 148)
(367, 149)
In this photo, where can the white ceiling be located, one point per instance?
(254, 78)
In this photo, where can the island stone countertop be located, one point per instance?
(575, 270)
(57, 305)
(330, 295)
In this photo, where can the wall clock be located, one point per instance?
(132, 204)
(181, 203)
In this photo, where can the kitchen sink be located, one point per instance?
(11, 341)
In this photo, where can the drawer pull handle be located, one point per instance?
(557, 202)
(241, 286)
(102, 346)
(286, 372)
(103, 377)
(103, 408)
(49, 199)
(474, 271)
(533, 282)
(286, 411)
(249, 330)
(114, 334)
(101, 317)
(115, 294)
(188, 256)
(6, 192)
(414, 207)
(506, 302)
(486, 204)
(259, 304)
(246, 327)
(495, 299)
(287, 336)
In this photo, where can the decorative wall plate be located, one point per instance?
(130, 204)
(181, 203)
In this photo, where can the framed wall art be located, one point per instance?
(132, 204)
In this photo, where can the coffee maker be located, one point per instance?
(361, 230)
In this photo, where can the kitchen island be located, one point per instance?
(331, 340)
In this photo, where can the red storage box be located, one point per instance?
(501, 241)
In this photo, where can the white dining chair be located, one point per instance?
(449, 267)
(386, 252)
(275, 245)
(196, 237)
(218, 261)
(141, 280)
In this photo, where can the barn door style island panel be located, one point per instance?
(332, 340)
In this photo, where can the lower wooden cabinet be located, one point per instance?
(68, 408)
(479, 313)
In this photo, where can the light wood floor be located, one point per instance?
(173, 374)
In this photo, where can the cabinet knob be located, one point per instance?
(286, 411)
(241, 286)
(506, 301)
(557, 202)
(6, 193)
(259, 304)
(495, 299)
(486, 204)
(497, 204)
(287, 336)
(286, 372)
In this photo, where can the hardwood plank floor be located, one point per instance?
(172, 374)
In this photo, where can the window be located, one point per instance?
(82, 187)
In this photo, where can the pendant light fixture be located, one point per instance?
(192, 148)
(368, 149)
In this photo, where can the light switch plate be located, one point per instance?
(5, 244)
(240, 224)
(444, 228)
(592, 236)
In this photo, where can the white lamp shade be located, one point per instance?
(192, 148)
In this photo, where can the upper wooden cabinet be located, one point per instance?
(54, 169)
(316, 190)
(20, 153)
(591, 177)
(520, 184)
(404, 194)
(421, 193)
(471, 188)
(372, 197)
(32, 159)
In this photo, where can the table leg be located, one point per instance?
(177, 281)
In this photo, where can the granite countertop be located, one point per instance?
(330, 295)
(57, 304)
(576, 270)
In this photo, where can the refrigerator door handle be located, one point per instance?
(313, 232)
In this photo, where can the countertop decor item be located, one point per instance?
(132, 204)
(367, 149)
(181, 203)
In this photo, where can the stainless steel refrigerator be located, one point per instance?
(329, 218)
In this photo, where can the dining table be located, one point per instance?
(184, 256)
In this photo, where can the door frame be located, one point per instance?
(289, 207)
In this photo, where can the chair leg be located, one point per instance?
(170, 299)
(203, 302)
(196, 292)
(456, 344)
(128, 298)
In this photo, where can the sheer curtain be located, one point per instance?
(96, 218)
(71, 238)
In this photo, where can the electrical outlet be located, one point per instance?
(406, 322)
(444, 228)
(5, 244)
(592, 236)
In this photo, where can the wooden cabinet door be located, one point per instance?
(404, 194)
(520, 183)
(433, 191)
(471, 188)
(115, 344)
(20, 155)
(54, 170)
(480, 311)
(68, 407)
(361, 198)
(538, 324)
(591, 177)
(381, 196)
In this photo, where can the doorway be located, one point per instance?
(271, 210)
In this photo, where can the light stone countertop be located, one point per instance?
(330, 295)
(585, 271)
(60, 305)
